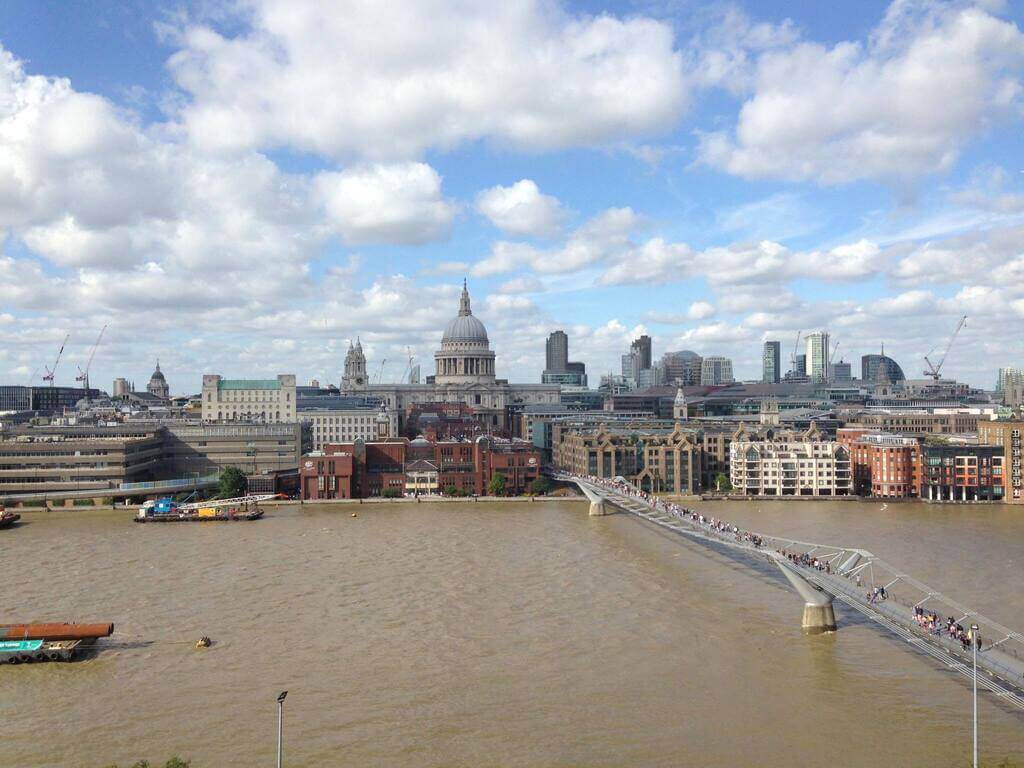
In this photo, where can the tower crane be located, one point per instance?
(935, 369)
(796, 348)
(50, 372)
(380, 373)
(408, 367)
(83, 376)
(834, 348)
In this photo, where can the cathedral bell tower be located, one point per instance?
(354, 379)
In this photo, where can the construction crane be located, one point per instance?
(935, 369)
(408, 367)
(50, 372)
(83, 376)
(796, 348)
(380, 373)
(834, 348)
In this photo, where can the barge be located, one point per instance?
(30, 643)
(167, 510)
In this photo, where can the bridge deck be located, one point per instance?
(1002, 660)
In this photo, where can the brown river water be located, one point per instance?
(481, 634)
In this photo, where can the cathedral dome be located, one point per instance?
(464, 327)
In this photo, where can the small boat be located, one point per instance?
(7, 519)
(167, 510)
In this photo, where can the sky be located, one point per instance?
(245, 187)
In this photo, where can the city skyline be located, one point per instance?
(214, 234)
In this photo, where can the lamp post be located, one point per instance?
(280, 723)
(974, 643)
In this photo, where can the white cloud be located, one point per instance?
(397, 203)
(700, 310)
(931, 77)
(597, 240)
(390, 80)
(522, 209)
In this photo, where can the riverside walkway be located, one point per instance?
(895, 601)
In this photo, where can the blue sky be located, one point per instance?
(243, 187)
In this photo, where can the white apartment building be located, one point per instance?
(790, 468)
(329, 425)
(270, 401)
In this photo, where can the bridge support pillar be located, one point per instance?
(818, 619)
(598, 508)
(819, 615)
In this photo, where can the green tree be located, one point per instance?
(497, 485)
(232, 483)
(391, 493)
(540, 486)
(722, 482)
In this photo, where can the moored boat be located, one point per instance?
(28, 643)
(7, 519)
(167, 510)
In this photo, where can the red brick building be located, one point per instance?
(886, 466)
(418, 467)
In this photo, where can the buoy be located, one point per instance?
(204, 642)
(354, 515)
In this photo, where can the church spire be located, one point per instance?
(464, 308)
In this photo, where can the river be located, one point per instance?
(476, 634)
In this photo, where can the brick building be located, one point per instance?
(1008, 435)
(418, 467)
(886, 466)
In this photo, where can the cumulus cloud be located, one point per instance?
(390, 80)
(397, 203)
(931, 77)
(594, 242)
(522, 209)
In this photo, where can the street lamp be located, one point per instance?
(975, 643)
(280, 723)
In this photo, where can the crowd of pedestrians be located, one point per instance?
(930, 622)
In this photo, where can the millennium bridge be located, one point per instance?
(855, 577)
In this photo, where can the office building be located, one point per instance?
(715, 371)
(557, 368)
(816, 361)
(642, 347)
(47, 401)
(840, 372)
(556, 352)
(682, 368)
(771, 362)
(874, 368)
(270, 401)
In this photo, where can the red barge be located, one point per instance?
(28, 643)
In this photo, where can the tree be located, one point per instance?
(232, 483)
(540, 486)
(722, 482)
(497, 485)
(391, 493)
